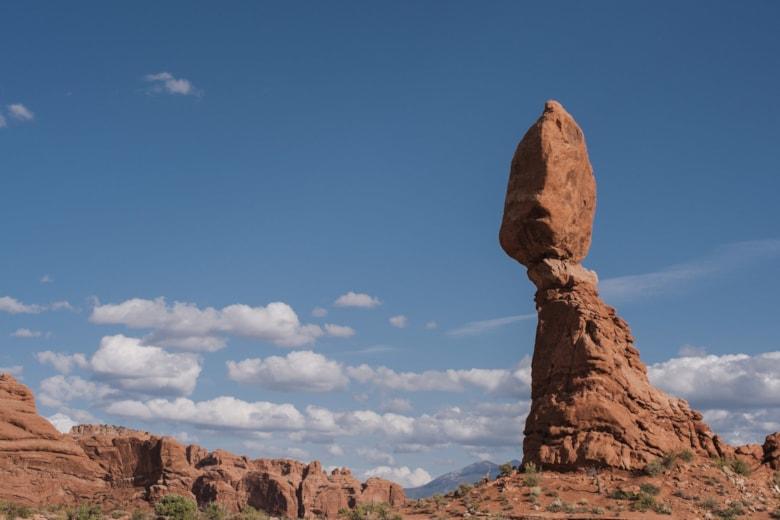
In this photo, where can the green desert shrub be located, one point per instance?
(654, 468)
(463, 490)
(620, 494)
(250, 513)
(643, 503)
(85, 512)
(530, 468)
(369, 512)
(213, 511)
(740, 467)
(686, 455)
(176, 507)
(649, 489)
(531, 480)
(12, 511)
(504, 470)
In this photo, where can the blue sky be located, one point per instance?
(296, 152)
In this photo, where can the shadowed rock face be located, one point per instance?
(119, 467)
(592, 404)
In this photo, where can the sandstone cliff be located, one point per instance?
(123, 467)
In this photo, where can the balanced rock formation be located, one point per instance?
(592, 403)
(121, 467)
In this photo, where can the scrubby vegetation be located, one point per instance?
(738, 466)
(176, 507)
(369, 512)
(85, 512)
(12, 511)
(506, 469)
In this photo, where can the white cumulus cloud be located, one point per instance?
(729, 381)
(62, 422)
(339, 331)
(184, 325)
(399, 321)
(62, 363)
(20, 112)
(304, 371)
(14, 306)
(403, 475)
(353, 299)
(57, 390)
(515, 382)
(128, 364)
(166, 82)
(220, 413)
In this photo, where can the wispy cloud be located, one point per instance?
(14, 306)
(723, 259)
(20, 112)
(478, 327)
(165, 82)
(27, 333)
(15, 370)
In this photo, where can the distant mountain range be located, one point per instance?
(450, 481)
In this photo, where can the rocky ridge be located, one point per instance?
(121, 467)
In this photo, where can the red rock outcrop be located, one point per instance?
(592, 403)
(771, 450)
(37, 463)
(119, 466)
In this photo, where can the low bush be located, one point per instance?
(531, 480)
(176, 507)
(213, 511)
(649, 489)
(686, 455)
(85, 512)
(369, 512)
(462, 490)
(643, 503)
(506, 469)
(530, 468)
(250, 513)
(620, 494)
(13, 511)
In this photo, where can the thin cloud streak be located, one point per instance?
(478, 327)
(724, 259)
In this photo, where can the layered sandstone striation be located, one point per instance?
(592, 403)
(123, 467)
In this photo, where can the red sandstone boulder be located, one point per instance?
(551, 197)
